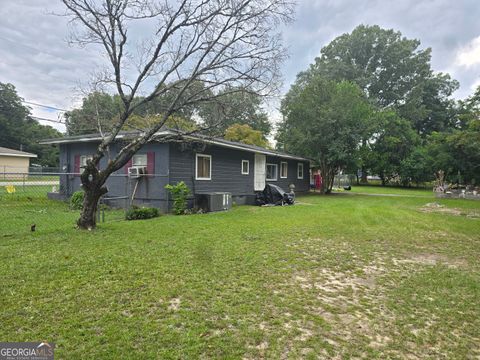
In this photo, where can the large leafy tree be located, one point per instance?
(394, 72)
(18, 128)
(383, 63)
(324, 120)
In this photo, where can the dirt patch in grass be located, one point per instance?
(345, 300)
(442, 209)
(353, 299)
(431, 259)
(174, 304)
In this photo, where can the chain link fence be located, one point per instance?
(343, 181)
(37, 201)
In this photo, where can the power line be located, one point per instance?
(45, 119)
(44, 106)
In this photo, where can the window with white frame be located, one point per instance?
(272, 172)
(83, 160)
(139, 160)
(245, 167)
(203, 167)
(300, 171)
(283, 170)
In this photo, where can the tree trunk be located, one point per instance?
(383, 178)
(92, 184)
(328, 177)
(93, 179)
(364, 179)
(88, 216)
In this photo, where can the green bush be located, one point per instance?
(180, 193)
(76, 201)
(139, 213)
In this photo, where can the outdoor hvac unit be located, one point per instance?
(214, 201)
(137, 171)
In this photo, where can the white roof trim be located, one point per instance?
(68, 141)
(19, 155)
(90, 139)
(206, 140)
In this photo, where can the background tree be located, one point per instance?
(100, 111)
(97, 113)
(240, 107)
(395, 74)
(18, 129)
(324, 121)
(468, 110)
(391, 145)
(245, 134)
(385, 65)
(457, 153)
(429, 106)
(224, 45)
(174, 122)
(416, 167)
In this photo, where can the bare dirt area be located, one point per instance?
(355, 303)
(442, 209)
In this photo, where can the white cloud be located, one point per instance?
(469, 55)
(475, 85)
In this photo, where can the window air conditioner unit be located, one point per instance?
(137, 171)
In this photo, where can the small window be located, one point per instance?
(272, 172)
(83, 160)
(300, 171)
(245, 167)
(203, 167)
(139, 160)
(283, 169)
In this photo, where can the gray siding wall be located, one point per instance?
(301, 185)
(150, 190)
(174, 164)
(226, 171)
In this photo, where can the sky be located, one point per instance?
(35, 55)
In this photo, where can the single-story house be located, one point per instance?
(14, 163)
(204, 163)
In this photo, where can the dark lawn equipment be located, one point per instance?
(274, 195)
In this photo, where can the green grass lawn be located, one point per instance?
(345, 276)
(29, 205)
(392, 190)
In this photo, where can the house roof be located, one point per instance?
(12, 152)
(168, 134)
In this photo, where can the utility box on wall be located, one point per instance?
(214, 201)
